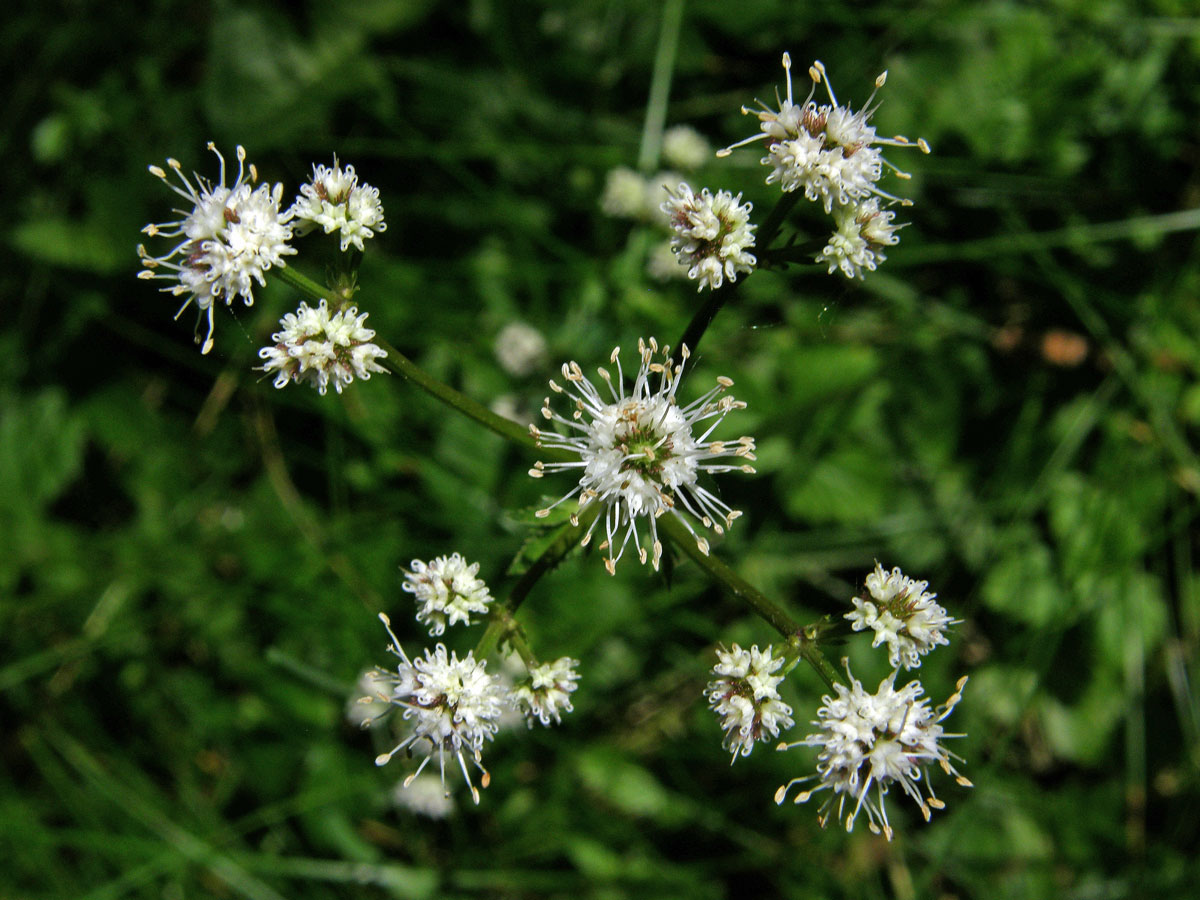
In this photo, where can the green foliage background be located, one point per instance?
(192, 561)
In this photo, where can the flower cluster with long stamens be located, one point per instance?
(831, 153)
(447, 591)
(321, 348)
(869, 742)
(641, 453)
(745, 695)
(334, 201)
(713, 234)
(227, 239)
(452, 704)
(902, 614)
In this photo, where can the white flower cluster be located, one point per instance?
(831, 153)
(902, 614)
(335, 201)
(872, 741)
(447, 591)
(451, 703)
(861, 232)
(230, 236)
(320, 348)
(641, 453)
(713, 235)
(746, 698)
(227, 240)
(630, 195)
(546, 690)
(452, 706)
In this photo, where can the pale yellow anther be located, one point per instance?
(923, 145)
(882, 79)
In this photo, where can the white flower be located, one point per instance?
(227, 240)
(639, 453)
(685, 147)
(322, 349)
(624, 193)
(863, 230)
(827, 150)
(712, 235)
(547, 690)
(335, 201)
(520, 349)
(452, 703)
(424, 796)
(746, 699)
(872, 741)
(447, 591)
(902, 614)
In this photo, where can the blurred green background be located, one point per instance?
(192, 561)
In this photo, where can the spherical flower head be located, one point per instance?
(334, 201)
(902, 614)
(641, 453)
(685, 147)
(546, 693)
(447, 591)
(713, 235)
(322, 348)
(874, 741)
(827, 150)
(746, 698)
(862, 231)
(520, 349)
(226, 240)
(451, 703)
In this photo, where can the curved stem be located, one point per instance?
(804, 640)
(731, 581)
(399, 364)
(301, 282)
(502, 625)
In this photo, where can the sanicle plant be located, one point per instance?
(632, 449)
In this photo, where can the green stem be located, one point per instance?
(302, 283)
(807, 643)
(399, 364)
(804, 640)
(502, 625)
(730, 580)
(718, 298)
(660, 85)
